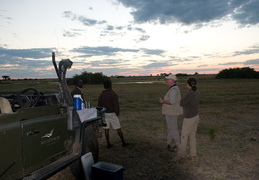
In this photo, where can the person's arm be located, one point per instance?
(99, 101)
(172, 97)
(163, 101)
(172, 100)
(116, 104)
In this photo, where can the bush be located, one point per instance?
(88, 78)
(181, 75)
(240, 73)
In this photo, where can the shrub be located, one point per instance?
(240, 73)
(181, 75)
(88, 78)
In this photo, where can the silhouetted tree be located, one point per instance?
(240, 73)
(6, 78)
(88, 78)
(181, 75)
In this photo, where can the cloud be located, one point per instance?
(156, 65)
(179, 59)
(144, 38)
(107, 66)
(252, 50)
(110, 27)
(158, 52)
(248, 62)
(204, 65)
(230, 63)
(26, 62)
(252, 62)
(246, 12)
(88, 51)
(204, 70)
(84, 20)
(5, 18)
(70, 34)
(140, 30)
(193, 12)
(108, 62)
(109, 30)
(113, 30)
(35, 53)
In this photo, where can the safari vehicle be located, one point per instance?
(41, 134)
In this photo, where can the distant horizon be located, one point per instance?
(124, 76)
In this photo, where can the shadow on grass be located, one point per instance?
(144, 160)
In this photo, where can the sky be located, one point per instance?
(128, 37)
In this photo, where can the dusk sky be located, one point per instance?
(128, 37)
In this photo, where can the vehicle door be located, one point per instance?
(44, 132)
(10, 147)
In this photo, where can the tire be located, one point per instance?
(90, 144)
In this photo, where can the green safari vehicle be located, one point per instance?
(42, 133)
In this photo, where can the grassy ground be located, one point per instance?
(227, 134)
(227, 137)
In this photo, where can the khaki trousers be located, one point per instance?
(172, 128)
(189, 130)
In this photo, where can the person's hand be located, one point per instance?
(161, 100)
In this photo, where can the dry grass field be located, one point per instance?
(227, 137)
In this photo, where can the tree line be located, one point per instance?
(99, 77)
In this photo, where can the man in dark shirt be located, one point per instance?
(77, 89)
(109, 99)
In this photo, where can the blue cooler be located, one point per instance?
(78, 101)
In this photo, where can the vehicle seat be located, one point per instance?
(5, 106)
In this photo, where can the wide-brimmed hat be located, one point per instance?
(171, 76)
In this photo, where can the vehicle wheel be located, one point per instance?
(90, 144)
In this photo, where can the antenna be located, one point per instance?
(59, 50)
